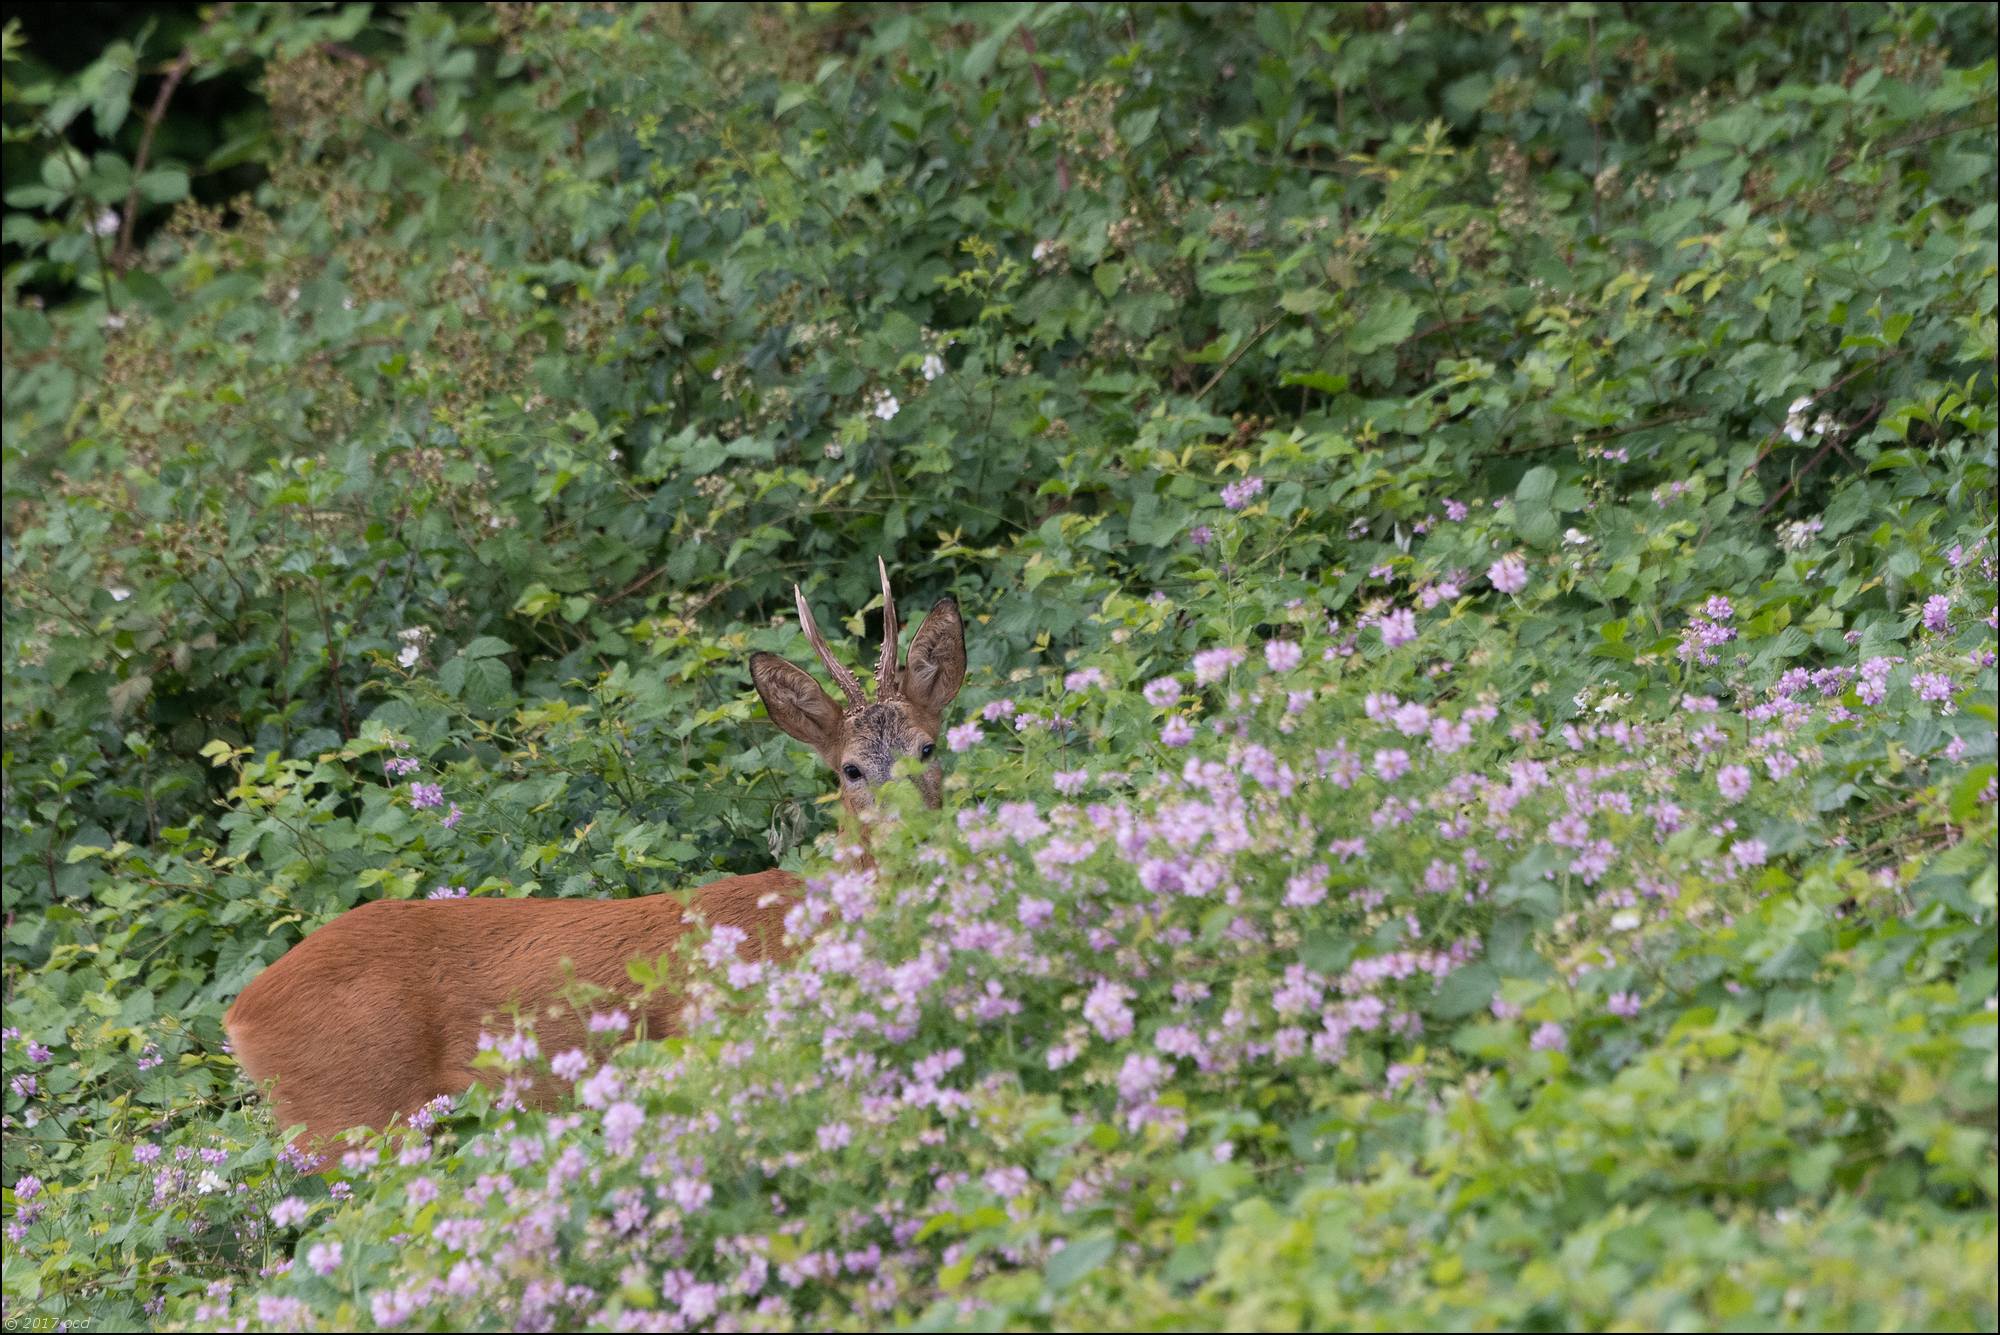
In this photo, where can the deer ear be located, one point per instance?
(937, 660)
(796, 703)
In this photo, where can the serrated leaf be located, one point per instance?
(1305, 300)
(1384, 324)
(1537, 484)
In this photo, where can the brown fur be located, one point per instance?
(379, 1011)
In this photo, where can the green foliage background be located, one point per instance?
(498, 423)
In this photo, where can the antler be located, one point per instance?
(888, 675)
(849, 687)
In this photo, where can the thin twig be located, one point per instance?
(64, 151)
(1833, 439)
(1845, 159)
(123, 255)
(1770, 441)
(1610, 433)
(1842, 160)
(1236, 357)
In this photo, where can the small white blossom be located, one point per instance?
(933, 366)
(886, 405)
(105, 223)
(1798, 535)
(119, 594)
(1042, 249)
(414, 639)
(1795, 421)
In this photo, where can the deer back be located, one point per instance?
(380, 1011)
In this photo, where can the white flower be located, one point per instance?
(347, 303)
(833, 450)
(114, 320)
(1576, 537)
(886, 406)
(933, 366)
(209, 1182)
(1624, 920)
(1795, 421)
(119, 594)
(105, 223)
(1798, 535)
(1042, 249)
(414, 639)
(1035, 121)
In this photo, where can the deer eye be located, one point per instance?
(853, 773)
(926, 752)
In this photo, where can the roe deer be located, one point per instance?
(380, 1010)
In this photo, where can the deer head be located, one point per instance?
(863, 742)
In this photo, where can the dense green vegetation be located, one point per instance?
(1474, 803)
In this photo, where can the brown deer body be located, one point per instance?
(380, 1011)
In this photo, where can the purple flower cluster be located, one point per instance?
(1274, 910)
(1240, 493)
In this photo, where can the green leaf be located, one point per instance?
(1319, 380)
(1537, 525)
(1305, 300)
(1967, 795)
(980, 58)
(1465, 991)
(163, 185)
(1137, 128)
(1537, 484)
(1383, 324)
(1153, 524)
(1079, 1258)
